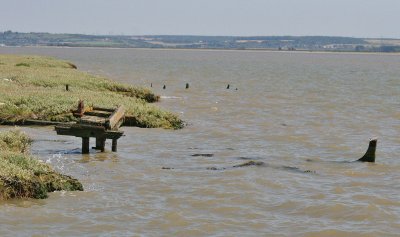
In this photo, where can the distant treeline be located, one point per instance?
(383, 49)
(10, 38)
(319, 43)
(254, 42)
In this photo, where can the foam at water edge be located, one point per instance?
(170, 97)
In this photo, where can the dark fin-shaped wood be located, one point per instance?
(250, 163)
(370, 154)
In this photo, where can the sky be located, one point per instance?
(354, 18)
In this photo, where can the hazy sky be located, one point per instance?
(358, 18)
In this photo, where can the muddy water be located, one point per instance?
(310, 111)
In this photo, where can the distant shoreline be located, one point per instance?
(214, 49)
(256, 43)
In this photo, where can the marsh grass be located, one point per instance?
(38, 92)
(23, 176)
(14, 141)
(22, 64)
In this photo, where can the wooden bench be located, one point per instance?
(101, 123)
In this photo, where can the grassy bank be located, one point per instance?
(23, 176)
(33, 87)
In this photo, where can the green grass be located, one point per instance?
(22, 64)
(23, 176)
(33, 87)
(14, 141)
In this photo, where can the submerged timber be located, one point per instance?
(101, 123)
(369, 156)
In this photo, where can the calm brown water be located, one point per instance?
(289, 108)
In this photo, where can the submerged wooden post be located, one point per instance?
(67, 87)
(370, 153)
(85, 145)
(187, 85)
(114, 145)
(100, 143)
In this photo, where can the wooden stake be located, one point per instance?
(114, 145)
(100, 143)
(85, 145)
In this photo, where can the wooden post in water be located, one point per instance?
(187, 85)
(85, 145)
(100, 143)
(67, 87)
(103, 144)
(114, 145)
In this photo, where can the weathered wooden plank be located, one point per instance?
(98, 113)
(39, 122)
(93, 120)
(113, 134)
(115, 118)
(119, 124)
(78, 126)
(104, 109)
(80, 130)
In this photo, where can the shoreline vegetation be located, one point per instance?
(24, 176)
(33, 88)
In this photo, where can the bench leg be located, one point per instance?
(85, 145)
(100, 143)
(114, 145)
